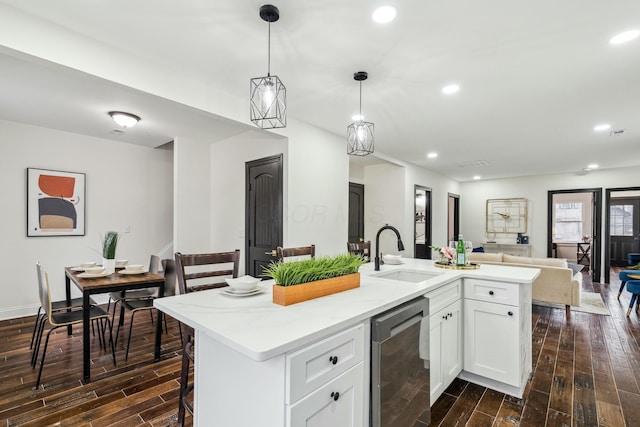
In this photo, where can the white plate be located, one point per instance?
(132, 272)
(92, 276)
(77, 268)
(232, 293)
(393, 262)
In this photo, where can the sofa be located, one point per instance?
(557, 282)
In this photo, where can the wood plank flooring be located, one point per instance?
(586, 373)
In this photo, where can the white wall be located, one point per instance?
(127, 186)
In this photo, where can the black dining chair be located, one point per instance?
(360, 248)
(301, 251)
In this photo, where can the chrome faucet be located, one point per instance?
(400, 245)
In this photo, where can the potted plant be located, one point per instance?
(298, 281)
(109, 243)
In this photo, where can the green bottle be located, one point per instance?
(461, 254)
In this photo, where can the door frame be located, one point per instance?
(596, 245)
(456, 216)
(427, 219)
(607, 231)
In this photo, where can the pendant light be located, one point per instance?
(360, 136)
(268, 95)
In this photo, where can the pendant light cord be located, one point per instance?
(361, 118)
(269, 52)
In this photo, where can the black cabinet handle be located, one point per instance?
(335, 395)
(450, 314)
(444, 317)
(333, 359)
(510, 313)
(490, 292)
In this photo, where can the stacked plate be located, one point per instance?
(243, 287)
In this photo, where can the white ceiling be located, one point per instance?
(535, 77)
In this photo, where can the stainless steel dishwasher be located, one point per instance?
(400, 385)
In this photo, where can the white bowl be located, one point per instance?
(94, 270)
(121, 262)
(391, 257)
(134, 268)
(87, 264)
(243, 284)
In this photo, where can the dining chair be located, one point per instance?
(61, 305)
(360, 248)
(135, 305)
(283, 253)
(59, 319)
(118, 297)
(194, 273)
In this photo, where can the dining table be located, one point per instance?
(115, 282)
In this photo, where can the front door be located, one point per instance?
(624, 226)
(263, 212)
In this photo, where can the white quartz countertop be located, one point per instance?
(259, 329)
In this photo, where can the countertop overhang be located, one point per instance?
(259, 329)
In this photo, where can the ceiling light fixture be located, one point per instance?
(360, 138)
(592, 166)
(384, 14)
(126, 120)
(602, 127)
(448, 90)
(357, 117)
(477, 177)
(432, 155)
(624, 37)
(268, 107)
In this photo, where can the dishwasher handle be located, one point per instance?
(382, 326)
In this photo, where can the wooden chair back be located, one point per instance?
(360, 248)
(169, 269)
(283, 253)
(195, 271)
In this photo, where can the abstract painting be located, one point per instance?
(55, 203)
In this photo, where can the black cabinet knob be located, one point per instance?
(450, 314)
(510, 313)
(333, 359)
(444, 317)
(490, 292)
(335, 395)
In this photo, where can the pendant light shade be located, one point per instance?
(360, 136)
(268, 106)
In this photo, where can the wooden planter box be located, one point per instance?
(287, 295)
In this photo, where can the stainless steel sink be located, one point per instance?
(413, 276)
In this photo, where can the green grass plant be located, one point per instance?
(309, 270)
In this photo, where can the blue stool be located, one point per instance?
(633, 286)
(624, 277)
(633, 259)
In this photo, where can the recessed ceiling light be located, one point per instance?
(384, 14)
(624, 37)
(592, 166)
(602, 127)
(450, 89)
(432, 155)
(477, 177)
(357, 117)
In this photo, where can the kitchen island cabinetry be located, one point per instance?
(497, 335)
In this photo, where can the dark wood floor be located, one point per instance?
(586, 373)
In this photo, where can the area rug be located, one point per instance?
(590, 302)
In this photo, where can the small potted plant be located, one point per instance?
(299, 281)
(109, 244)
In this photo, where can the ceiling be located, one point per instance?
(535, 78)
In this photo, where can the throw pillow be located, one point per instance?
(577, 268)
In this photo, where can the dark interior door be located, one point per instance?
(624, 220)
(356, 212)
(263, 212)
(453, 222)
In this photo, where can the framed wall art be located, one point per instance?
(55, 203)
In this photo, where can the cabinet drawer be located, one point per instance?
(443, 296)
(337, 403)
(487, 290)
(317, 364)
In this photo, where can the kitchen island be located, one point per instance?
(247, 369)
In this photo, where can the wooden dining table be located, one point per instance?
(115, 282)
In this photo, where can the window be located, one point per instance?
(568, 222)
(621, 217)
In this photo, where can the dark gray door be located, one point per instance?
(263, 212)
(624, 227)
(356, 212)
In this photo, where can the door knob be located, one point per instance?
(272, 253)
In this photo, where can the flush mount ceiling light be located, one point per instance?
(384, 14)
(602, 127)
(126, 120)
(624, 37)
(450, 89)
(268, 107)
(360, 136)
(432, 155)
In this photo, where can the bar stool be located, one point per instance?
(633, 286)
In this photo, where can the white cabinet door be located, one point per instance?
(492, 341)
(338, 403)
(445, 344)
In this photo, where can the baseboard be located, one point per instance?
(16, 312)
